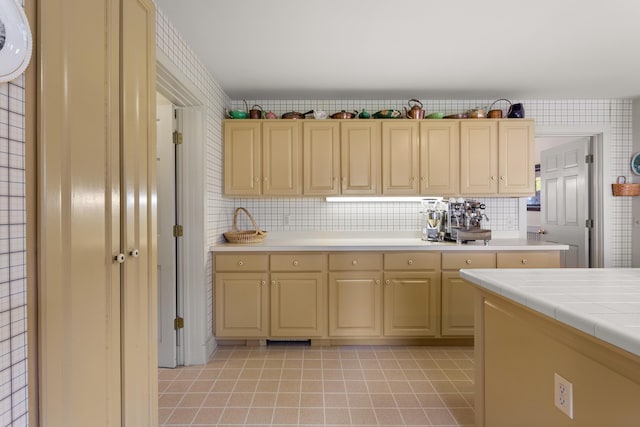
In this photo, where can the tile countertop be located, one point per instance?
(601, 302)
(376, 241)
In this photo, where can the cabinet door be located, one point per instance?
(241, 305)
(360, 157)
(281, 158)
(400, 162)
(440, 157)
(516, 157)
(411, 302)
(457, 305)
(355, 304)
(479, 157)
(298, 304)
(321, 153)
(242, 158)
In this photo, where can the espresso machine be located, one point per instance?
(433, 219)
(465, 220)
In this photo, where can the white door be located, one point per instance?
(167, 249)
(564, 199)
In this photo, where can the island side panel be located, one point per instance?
(517, 353)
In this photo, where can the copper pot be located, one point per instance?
(256, 113)
(344, 115)
(415, 111)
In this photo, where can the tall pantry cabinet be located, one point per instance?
(96, 213)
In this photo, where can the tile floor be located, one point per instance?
(295, 384)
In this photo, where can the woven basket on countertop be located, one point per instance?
(244, 236)
(626, 189)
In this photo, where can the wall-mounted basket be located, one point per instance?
(626, 189)
(244, 236)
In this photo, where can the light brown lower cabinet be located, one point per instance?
(241, 295)
(298, 295)
(458, 294)
(411, 294)
(354, 294)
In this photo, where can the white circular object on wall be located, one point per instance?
(15, 40)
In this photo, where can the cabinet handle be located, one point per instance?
(262, 282)
(503, 178)
(410, 262)
(119, 258)
(134, 253)
(354, 262)
(413, 178)
(387, 282)
(240, 263)
(468, 261)
(256, 179)
(296, 263)
(524, 261)
(493, 178)
(273, 282)
(378, 282)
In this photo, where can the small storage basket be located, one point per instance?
(244, 236)
(626, 189)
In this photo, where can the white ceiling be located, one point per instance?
(397, 49)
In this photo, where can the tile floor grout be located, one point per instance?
(295, 384)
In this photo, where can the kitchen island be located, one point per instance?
(357, 288)
(580, 324)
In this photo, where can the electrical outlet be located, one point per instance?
(563, 395)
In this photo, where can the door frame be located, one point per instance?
(599, 198)
(176, 87)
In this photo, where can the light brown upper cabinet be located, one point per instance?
(262, 158)
(321, 154)
(400, 157)
(360, 157)
(440, 157)
(496, 157)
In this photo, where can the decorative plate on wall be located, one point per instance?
(15, 40)
(635, 163)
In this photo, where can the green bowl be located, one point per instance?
(435, 116)
(238, 114)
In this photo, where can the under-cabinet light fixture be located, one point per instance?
(374, 199)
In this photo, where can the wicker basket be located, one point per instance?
(626, 189)
(244, 236)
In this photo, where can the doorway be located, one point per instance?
(170, 265)
(196, 344)
(598, 182)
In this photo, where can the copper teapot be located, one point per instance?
(415, 110)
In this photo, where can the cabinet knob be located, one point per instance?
(354, 262)
(468, 261)
(296, 263)
(377, 282)
(256, 179)
(273, 282)
(240, 263)
(265, 179)
(493, 178)
(424, 179)
(410, 262)
(134, 253)
(413, 178)
(262, 282)
(119, 258)
(524, 261)
(503, 178)
(387, 282)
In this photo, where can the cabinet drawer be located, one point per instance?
(412, 261)
(298, 262)
(355, 261)
(541, 259)
(458, 260)
(242, 262)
